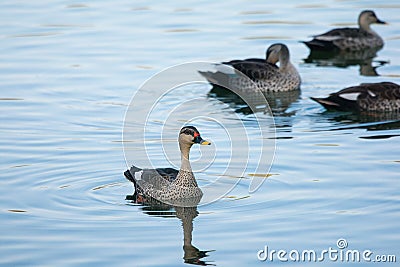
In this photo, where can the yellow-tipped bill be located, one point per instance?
(205, 142)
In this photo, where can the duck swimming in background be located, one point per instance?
(263, 74)
(350, 39)
(376, 97)
(167, 184)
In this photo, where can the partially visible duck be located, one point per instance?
(264, 74)
(350, 39)
(377, 97)
(169, 185)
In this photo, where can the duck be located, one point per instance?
(350, 39)
(169, 185)
(374, 97)
(263, 74)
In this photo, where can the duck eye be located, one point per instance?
(187, 132)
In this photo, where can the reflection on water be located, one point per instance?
(280, 105)
(371, 121)
(152, 207)
(343, 59)
(383, 118)
(279, 102)
(67, 75)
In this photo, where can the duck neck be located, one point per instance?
(287, 68)
(185, 176)
(185, 162)
(291, 69)
(365, 26)
(284, 60)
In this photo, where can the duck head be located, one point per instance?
(189, 135)
(368, 17)
(277, 52)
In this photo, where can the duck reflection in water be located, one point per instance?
(152, 207)
(278, 102)
(343, 59)
(370, 120)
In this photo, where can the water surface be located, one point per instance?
(67, 75)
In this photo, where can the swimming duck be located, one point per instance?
(377, 97)
(264, 74)
(350, 39)
(167, 184)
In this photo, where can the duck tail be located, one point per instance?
(129, 176)
(309, 44)
(209, 76)
(215, 78)
(334, 102)
(319, 45)
(325, 102)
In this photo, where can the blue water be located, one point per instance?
(68, 73)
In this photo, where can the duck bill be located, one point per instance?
(205, 142)
(201, 141)
(381, 21)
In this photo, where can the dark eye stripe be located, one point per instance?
(189, 130)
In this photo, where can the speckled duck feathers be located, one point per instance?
(350, 39)
(259, 74)
(377, 97)
(168, 185)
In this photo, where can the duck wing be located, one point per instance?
(235, 61)
(145, 180)
(330, 39)
(340, 33)
(169, 174)
(373, 91)
(255, 70)
(386, 90)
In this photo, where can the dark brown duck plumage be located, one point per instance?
(379, 97)
(260, 74)
(168, 185)
(350, 39)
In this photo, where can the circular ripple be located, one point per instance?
(242, 144)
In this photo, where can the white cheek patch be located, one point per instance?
(138, 175)
(350, 96)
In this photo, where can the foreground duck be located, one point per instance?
(262, 74)
(350, 39)
(166, 184)
(377, 97)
